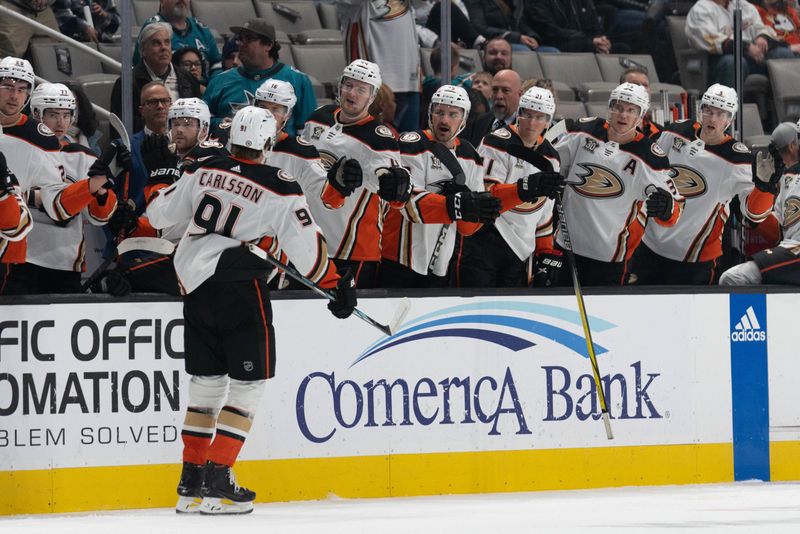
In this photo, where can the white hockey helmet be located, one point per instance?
(538, 99)
(722, 97)
(363, 71)
(52, 96)
(17, 68)
(632, 94)
(277, 92)
(450, 95)
(253, 128)
(192, 108)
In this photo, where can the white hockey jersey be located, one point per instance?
(787, 207)
(707, 177)
(524, 224)
(352, 224)
(227, 202)
(709, 25)
(421, 236)
(608, 184)
(30, 147)
(301, 160)
(61, 245)
(384, 32)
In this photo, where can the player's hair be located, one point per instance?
(382, 98)
(436, 57)
(250, 154)
(87, 119)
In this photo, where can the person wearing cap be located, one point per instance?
(779, 168)
(618, 181)
(187, 31)
(230, 55)
(709, 168)
(258, 55)
(156, 65)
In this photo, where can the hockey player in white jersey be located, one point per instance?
(496, 256)
(618, 182)
(780, 167)
(228, 201)
(362, 159)
(709, 168)
(15, 216)
(56, 249)
(418, 241)
(30, 149)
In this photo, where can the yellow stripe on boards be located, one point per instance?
(784, 459)
(151, 486)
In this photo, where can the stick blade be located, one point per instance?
(399, 315)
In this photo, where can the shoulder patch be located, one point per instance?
(301, 141)
(44, 130)
(587, 119)
(285, 176)
(210, 143)
(502, 133)
(384, 131)
(655, 149)
(410, 137)
(741, 148)
(225, 124)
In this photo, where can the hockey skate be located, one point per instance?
(189, 497)
(221, 494)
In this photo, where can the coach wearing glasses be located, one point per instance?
(155, 41)
(258, 54)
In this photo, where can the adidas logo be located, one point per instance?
(236, 169)
(748, 328)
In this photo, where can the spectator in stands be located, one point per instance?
(506, 19)
(782, 18)
(461, 29)
(154, 105)
(571, 26)
(638, 75)
(383, 108)
(84, 130)
(230, 55)
(154, 40)
(506, 90)
(105, 20)
(431, 83)
(709, 27)
(191, 60)
(482, 82)
(384, 32)
(258, 54)
(15, 36)
(497, 56)
(186, 31)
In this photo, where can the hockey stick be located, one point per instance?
(542, 163)
(147, 244)
(443, 154)
(388, 329)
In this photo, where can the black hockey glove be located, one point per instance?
(345, 293)
(547, 268)
(124, 220)
(659, 204)
(768, 168)
(161, 162)
(472, 206)
(7, 178)
(540, 184)
(394, 185)
(100, 167)
(345, 175)
(112, 282)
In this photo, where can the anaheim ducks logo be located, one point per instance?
(389, 9)
(598, 182)
(327, 159)
(530, 207)
(688, 181)
(791, 211)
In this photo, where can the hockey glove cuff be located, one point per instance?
(346, 176)
(540, 184)
(472, 206)
(394, 184)
(159, 159)
(547, 268)
(112, 282)
(659, 204)
(345, 296)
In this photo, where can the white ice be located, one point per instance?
(710, 509)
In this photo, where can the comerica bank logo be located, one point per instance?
(748, 328)
(513, 325)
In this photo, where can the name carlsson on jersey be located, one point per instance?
(231, 184)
